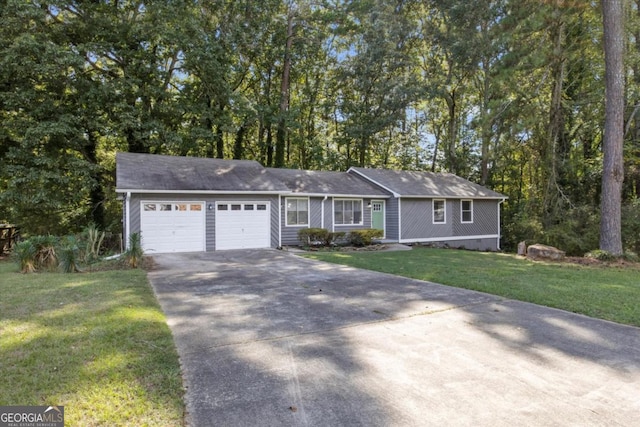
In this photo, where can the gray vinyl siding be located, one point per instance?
(391, 219)
(485, 218)
(417, 219)
(315, 212)
(210, 238)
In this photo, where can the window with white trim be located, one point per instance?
(347, 212)
(466, 211)
(439, 211)
(297, 211)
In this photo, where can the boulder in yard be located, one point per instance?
(539, 251)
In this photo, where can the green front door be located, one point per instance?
(377, 214)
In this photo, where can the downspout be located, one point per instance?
(322, 211)
(127, 219)
(280, 220)
(499, 231)
(399, 220)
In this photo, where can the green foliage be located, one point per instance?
(68, 254)
(445, 86)
(631, 256)
(600, 255)
(25, 254)
(134, 253)
(364, 237)
(575, 232)
(631, 225)
(319, 236)
(94, 238)
(37, 253)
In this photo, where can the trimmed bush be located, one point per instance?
(364, 237)
(319, 237)
(312, 236)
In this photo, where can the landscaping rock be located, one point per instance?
(522, 248)
(538, 251)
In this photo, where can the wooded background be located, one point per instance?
(506, 93)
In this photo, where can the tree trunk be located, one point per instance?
(284, 96)
(450, 152)
(613, 171)
(556, 122)
(238, 146)
(97, 192)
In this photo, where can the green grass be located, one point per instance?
(610, 293)
(97, 343)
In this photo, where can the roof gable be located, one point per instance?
(426, 184)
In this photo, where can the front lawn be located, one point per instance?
(610, 293)
(97, 343)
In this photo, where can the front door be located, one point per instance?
(377, 214)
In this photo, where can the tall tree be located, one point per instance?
(613, 170)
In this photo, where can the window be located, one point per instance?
(297, 211)
(181, 207)
(236, 207)
(262, 207)
(466, 211)
(223, 207)
(439, 211)
(195, 207)
(149, 206)
(347, 212)
(248, 207)
(165, 207)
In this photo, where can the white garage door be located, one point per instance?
(172, 226)
(243, 225)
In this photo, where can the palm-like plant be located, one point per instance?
(134, 253)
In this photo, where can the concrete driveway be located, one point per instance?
(268, 338)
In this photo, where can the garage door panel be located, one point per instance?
(243, 225)
(172, 226)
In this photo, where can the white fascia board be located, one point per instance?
(375, 182)
(120, 190)
(448, 238)
(340, 196)
(435, 196)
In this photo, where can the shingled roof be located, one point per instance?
(326, 183)
(426, 184)
(152, 172)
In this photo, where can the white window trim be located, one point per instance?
(345, 200)
(286, 211)
(433, 211)
(461, 211)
